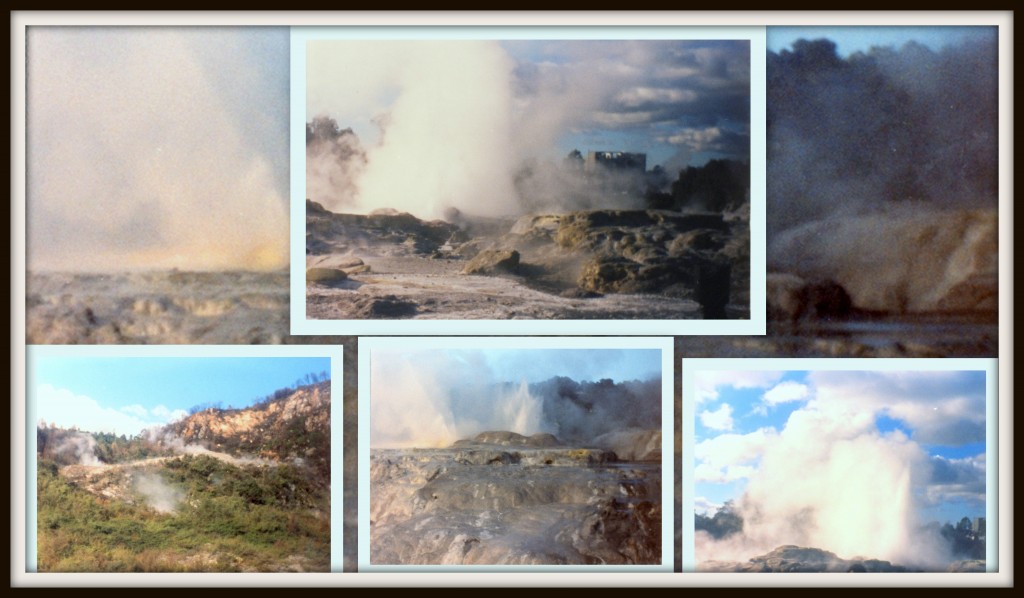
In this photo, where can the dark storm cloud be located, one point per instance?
(638, 85)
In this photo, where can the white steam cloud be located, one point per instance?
(412, 404)
(831, 479)
(157, 493)
(447, 132)
(157, 148)
(81, 446)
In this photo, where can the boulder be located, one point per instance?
(325, 275)
(493, 261)
(792, 298)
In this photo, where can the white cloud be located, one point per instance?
(705, 506)
(66, 409)
(706, 383)
(717, 420)
(940, 407)
(136, 410)
(638, 96)
(168, 415)
(696, 139)
(728, 457)
(786, 392)
(957, 479)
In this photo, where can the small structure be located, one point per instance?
(605, 161)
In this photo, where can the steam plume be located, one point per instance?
(475, 125)
(157, 147)
(432, 400)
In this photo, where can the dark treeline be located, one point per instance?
(888, 125)
(963, 540)
(718, 186)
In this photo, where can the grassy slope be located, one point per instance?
(232, 519)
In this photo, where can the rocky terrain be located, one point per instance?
(293, 428)
(160, 307)
(591, 264)
(501, 498)
(796, 559)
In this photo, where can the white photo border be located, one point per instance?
(23, 505)
(998, 507)
(367, 345)
(755, 325)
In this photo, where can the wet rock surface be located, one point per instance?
(501, 499)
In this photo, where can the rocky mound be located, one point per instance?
(511, 439)
(795, 559)
(382, 232)
(292, 424)
(632, 445)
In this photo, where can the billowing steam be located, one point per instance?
(157, 493)
(80, 446)
(831, 479)
(432, 400)
(475, 125)
(893, 151)
(447, 134)
(157, 148)
(167, 440)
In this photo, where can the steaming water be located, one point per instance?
(909, 259)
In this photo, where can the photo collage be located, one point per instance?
(601, 300)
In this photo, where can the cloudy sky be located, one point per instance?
(128, 394)
(762, 432)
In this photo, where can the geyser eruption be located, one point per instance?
(446, 133)
(157, 148)
(858, 468)
(415, 405)
(837, 485)
(432, 399)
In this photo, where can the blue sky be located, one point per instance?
(127, 394)
(861, 39)
(926, 426)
